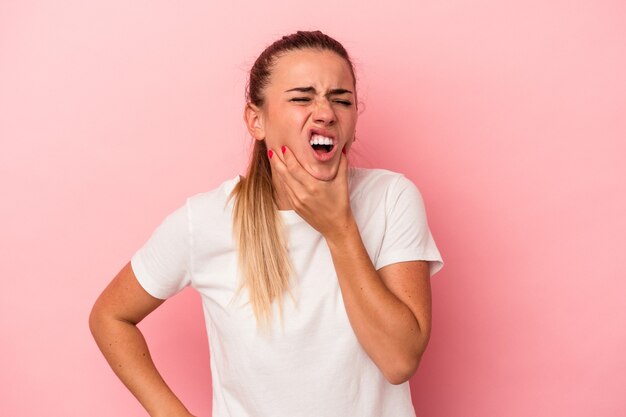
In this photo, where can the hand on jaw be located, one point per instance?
(325, 205)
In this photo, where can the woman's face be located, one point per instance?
(309, 92)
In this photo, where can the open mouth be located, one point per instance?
(322, 148)
(321, 144)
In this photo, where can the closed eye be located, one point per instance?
(344, 102)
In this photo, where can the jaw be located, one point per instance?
(323, 172)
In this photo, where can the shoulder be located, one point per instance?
(215, 199)
(384, 191)
(377, 181)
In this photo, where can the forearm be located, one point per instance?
(125, 349)
(385, 326)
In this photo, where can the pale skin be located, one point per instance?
(389, 309)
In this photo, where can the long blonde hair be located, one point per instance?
(258, 231)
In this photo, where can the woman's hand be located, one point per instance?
(325, 205)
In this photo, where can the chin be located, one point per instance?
(324, 173)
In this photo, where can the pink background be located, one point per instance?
(509, 116)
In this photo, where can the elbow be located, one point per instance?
(402, 369)
(94, 320)
(97, 318)
(402, 372)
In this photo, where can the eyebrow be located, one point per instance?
(312, 90)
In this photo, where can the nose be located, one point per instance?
(323, 112)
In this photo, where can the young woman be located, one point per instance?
(350, 246)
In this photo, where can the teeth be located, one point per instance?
(320, 140)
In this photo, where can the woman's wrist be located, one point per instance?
(342, 233)
(176, 409)
(177, 414)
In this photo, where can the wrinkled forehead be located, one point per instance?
(309, 67)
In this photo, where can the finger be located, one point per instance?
(294, 167)
(285, 178)
(277, 163)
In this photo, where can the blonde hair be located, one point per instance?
(259, 234)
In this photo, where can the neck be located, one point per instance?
(280, 196)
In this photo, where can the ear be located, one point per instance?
(253, 116)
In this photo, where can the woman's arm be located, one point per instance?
(389, 310)
(112, 322)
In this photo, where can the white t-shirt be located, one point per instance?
(312, 365)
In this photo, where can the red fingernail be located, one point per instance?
(282, 148)
(343, 150)
(270, 153)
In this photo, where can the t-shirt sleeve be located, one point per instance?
(407, 235)
(162, 264)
